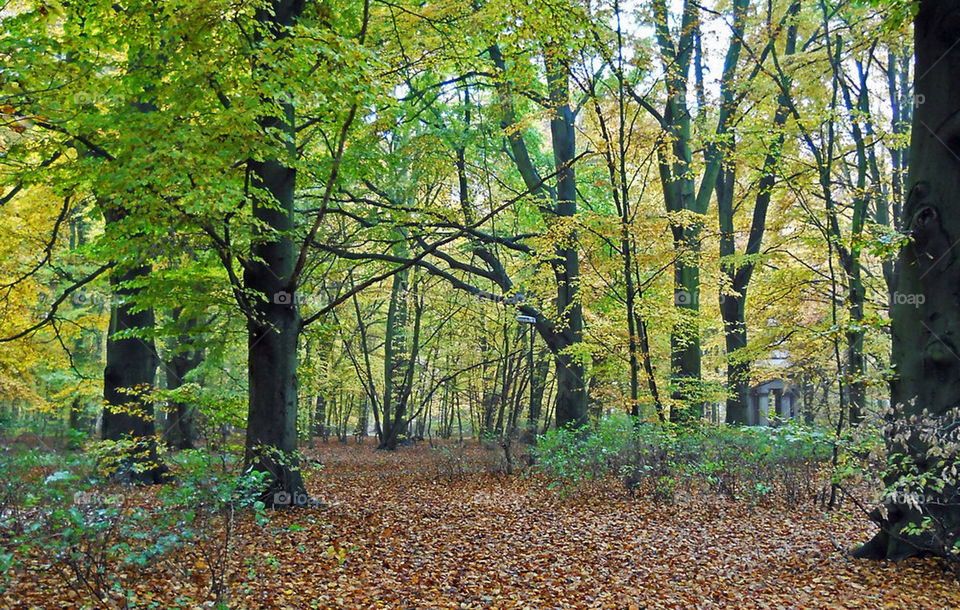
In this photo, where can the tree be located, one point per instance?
(184, 357)
(128, 378)
(60, 120)
(275, 266)
(733, 299)
(566, 332)
(273, 325)
(686, 202)
(617, 135)
(926, 329)
(554, 195)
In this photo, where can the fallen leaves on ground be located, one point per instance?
(411, 529)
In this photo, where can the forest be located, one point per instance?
(487, 304)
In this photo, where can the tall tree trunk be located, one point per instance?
(273, 329)
(271, 439)
(567, 328)
(679, 189)
(505, 381)
(395, 361)
(889, 213)
(571, 382)
(681, 193)
(733, 304)
(859, 110)
(926, 329)
(130, 374)
(364, 422)
(319, 416)
(541, 370)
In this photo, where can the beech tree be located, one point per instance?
(685, 200)
(925, 337)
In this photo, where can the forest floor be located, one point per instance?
(429, 528)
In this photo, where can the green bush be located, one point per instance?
(54, 507)
(571, 456)
(920, 501)
(199, 512)
(747, 463)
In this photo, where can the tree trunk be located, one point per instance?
(733, 305)
(272, 339)
(394, 362)
(571, 382)
(180, 431)
(681, 194)
(364, 422)
(541, 370)
(567, 328)
(319, 417)
(129, 375)
(850, 257)
(271, 440)
(75, 421)
(273, 329)
(738, 367)
(926, 331)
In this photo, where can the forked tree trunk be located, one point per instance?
(926, 328)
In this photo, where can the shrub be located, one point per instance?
(199, 514)
(665, 460)
(571, 456)
(55, 509)
(921, 500)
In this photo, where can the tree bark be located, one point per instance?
(733, 305)
(567, 328)
(682, 194)
(272, 336)
(130, 374)
(926, 335)
(180, 432)
(394, 362)
(273, 329)
(571, 386)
